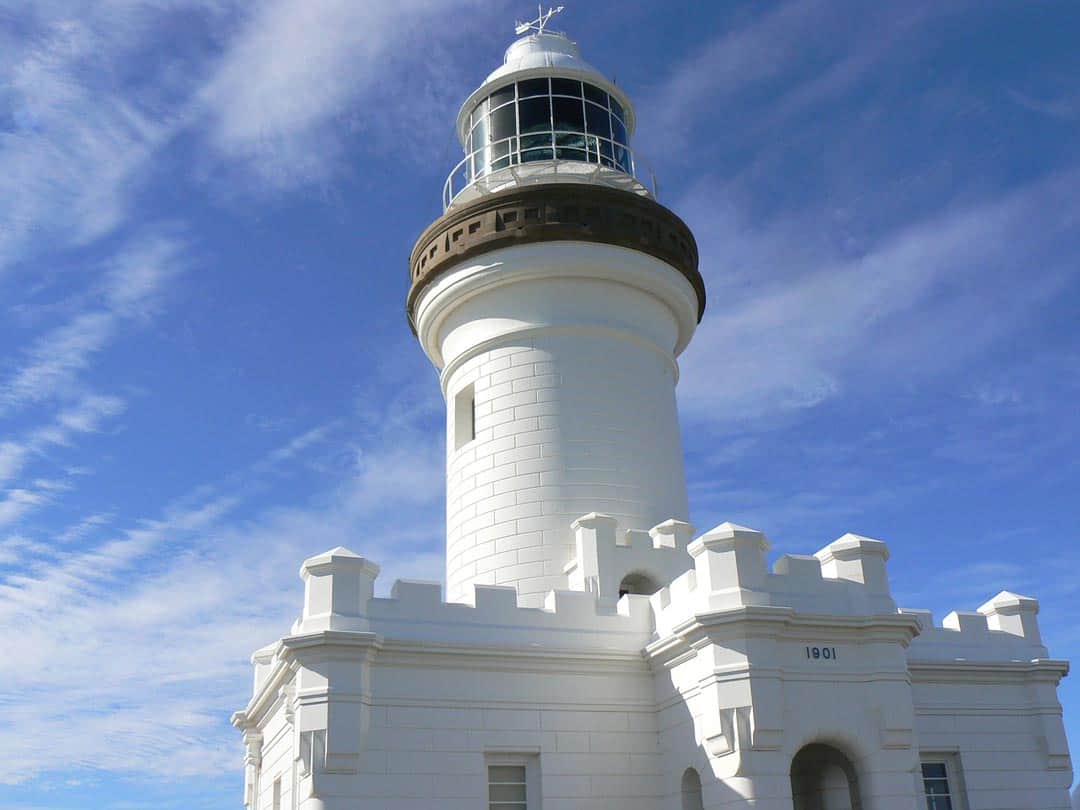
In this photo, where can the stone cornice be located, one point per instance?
(518, 659)
(427, 654)
(963, 671)
(286, 663)
(552, 212)
(781, 623)
(266, 696)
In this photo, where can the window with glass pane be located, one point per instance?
(532, 87)
(936, 786)
(566, 87)
(597, 95)
(503, 123)
(568, 114)
(597, 120)
(501, 96)
(507, 788)
(535, 115)
(538, 119)
(616, 108)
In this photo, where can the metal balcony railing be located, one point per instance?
(558, 155)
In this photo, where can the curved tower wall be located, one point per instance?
(554, 295)
(566, 351)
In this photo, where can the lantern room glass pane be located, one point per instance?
(568, 114)
(536, 147)
(480, 133)
(503, 123)
(618, 131)
(566, 87)
(607, 154)
(532, 87)
(535, 115)
(597, 120)
(501, 156)
(547, 119)
(501, 96)
(597, 95)
(616, 108)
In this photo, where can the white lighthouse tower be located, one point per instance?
(554, 296)
(587, 653)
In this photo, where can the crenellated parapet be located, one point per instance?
(608, 562)
(1005, 628)
(847, 577)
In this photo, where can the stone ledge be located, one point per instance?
(550, 213)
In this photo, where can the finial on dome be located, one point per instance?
(540, 22)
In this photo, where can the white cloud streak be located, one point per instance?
(300, 78)
(51, 366)
(155, 623)
(792, 323)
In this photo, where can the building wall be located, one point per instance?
(591, 728)
(995, 742)
(400, 703)
(571, 366)
(277, 759)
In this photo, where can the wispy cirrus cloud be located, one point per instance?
(787, 340)
(75, 146)
(131, 282)
(213, 578)
(87, 415)
(300, 81)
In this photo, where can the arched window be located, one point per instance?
(638, 583)
(823, 778)
(691, 790)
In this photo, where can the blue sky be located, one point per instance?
(206, 375)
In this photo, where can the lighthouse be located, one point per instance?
(591, 649)
(554, 296)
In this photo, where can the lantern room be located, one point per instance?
(545, 115)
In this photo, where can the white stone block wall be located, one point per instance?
(591, 727)
(997, 745)
(578, 429)
(277, 759)
(405, 700)
(568, 351)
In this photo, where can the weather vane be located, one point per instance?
(540, 22)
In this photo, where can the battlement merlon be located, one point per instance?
(1005, 628)
(846, 577)
(1013, 613)
(338, 584)
(604, 557)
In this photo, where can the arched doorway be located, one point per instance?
(691, 790)
(823, 778)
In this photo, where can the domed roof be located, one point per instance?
(543, 53)
(546, 50)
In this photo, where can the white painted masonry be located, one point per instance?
(570, 351)
(797, 687)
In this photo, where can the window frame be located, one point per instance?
(464, 416)
(530, 760)
(490, 154)
(954, 776)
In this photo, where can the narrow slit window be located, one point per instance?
(464, 416)
(276, 797)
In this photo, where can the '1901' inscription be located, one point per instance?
(821, 653)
